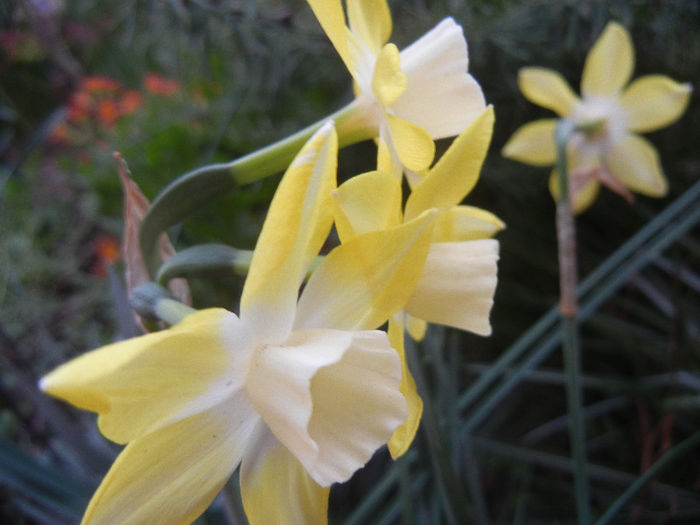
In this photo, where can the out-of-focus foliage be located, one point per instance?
(175, 85)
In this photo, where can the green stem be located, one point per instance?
(451, 489)
(589, 286)
(193, 190)
(670, 456)
(566, 241)
(403, 466)
(172, 311)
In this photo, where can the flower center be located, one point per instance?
(601, 110)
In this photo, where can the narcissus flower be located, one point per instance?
(458, 280)
(612, 153)
(412, 97)
(297, 390)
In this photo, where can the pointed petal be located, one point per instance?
(173, 474)
(548, 89)
(330, 396)
(457, 171)
(466, 223)
(457, 285)
(441, 96)
(276, 488)
(367, 202)
(388, 81)
(142, 384)
(533, 143)
(362, 283)
(330, 15)
(635, 162)
(370, 20)
(295, 228)
(654, 102)
(582, 198)
(387, 159)
(403, 436)
(357, 407)
(415, 327)
(609, 63)
(413, 144)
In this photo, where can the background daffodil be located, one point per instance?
(610, 152)
(410, 97)
(458, 280)
(296, 390)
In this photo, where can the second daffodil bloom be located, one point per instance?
(458, 280)
(296, 390)
(410, 97)
(610, 152)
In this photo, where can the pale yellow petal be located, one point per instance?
(654, 102)
(414, 177)
(548, 89)
(367, 202)
(275, 487)
(466, 223)
(609, 63)
(388, 81)
(441, 97)
(457, 285)
(370, 20)
(403, 436)
(457, 171)
(145, 383)
(582, 198)
(413, 144)
(363, 282)
(533, 143)
(296, 226)
(173, 474)
(635, 162)
(330, 15)
(329, 396)
(358, 405)
(279, 380)
(387, 160)
(416, 327)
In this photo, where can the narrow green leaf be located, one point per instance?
(45, 485)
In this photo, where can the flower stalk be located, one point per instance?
(566, 242)
(451, 488)
(195, 189)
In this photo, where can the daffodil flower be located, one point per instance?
(458, 279)
(607, 149)
(410, 97)
(300, 391)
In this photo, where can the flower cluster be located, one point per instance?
(302, 386)
(99, 102)
(300, 389)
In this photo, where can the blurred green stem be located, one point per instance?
(670, 456)
(403, 466)
(195, 189)
(566, 241)
(451, 489)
